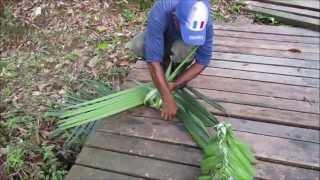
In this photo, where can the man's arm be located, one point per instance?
(186, 76)
(153, 54)
(169, 109)
(203, 56)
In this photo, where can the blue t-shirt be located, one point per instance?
(161, 27)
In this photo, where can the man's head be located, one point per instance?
(193, 16)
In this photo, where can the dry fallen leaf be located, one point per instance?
(101, 28)
(36, 12)
(94, 61)
(124, 63)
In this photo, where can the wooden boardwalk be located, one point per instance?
(267, 78)
(301, 13)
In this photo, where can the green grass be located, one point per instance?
(265, 19)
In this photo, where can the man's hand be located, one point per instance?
(172, 86)
(169, 110)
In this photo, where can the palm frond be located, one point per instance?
(209, 101)
(224, 156)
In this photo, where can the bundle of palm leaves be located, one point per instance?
(224, 156)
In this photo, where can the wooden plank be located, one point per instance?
(246, 58)
(267, 52)
(270, 115)
(86, 173)
(245, 125)
(143, 147)
(257, 76)
(293, 10)
(288, 18)
(265, 29)
(170, 152)
(135, 165)
(261, 101)
(251, 75)
(281, 70)
(273, 149)
(243, 86)
(303, 4)
(282, 172)
(266, 44)
(263, 36)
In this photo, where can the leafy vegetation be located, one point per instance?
(226, 10)
(265, 19)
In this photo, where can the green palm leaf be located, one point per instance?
(224, 156)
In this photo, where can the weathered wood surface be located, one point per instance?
(256, 127)
(266, 44)
(302, 4)
(298, 16)
(288, 9)
(256, 59)
(229, 69)
(275, 149)
(272, 100)
(271, 30)
(292, 54)
(299, 93)
(273, 37)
